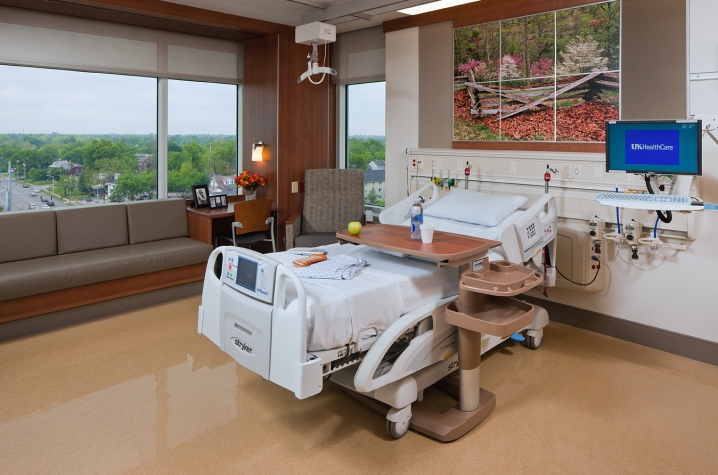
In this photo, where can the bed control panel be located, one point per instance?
(250, 274)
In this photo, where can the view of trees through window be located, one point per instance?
(78, 139)
(366, 141)
(202, 140)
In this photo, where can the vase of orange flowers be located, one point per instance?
(250, 182)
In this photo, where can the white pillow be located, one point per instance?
(476, 208)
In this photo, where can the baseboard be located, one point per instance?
(51, 321)
(652, 337)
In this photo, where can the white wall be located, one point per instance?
(402, 107)
(677, 291)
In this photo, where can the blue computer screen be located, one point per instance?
(664, 147)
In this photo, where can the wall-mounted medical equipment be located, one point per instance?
(653, 148)
(313, 34)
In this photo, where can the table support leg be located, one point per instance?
(469, 369)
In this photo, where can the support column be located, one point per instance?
(162, 130)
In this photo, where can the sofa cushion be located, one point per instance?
(154, 220)
(90, 227)
(27, 235)
(47, 274)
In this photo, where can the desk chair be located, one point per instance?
(332, 199)
(251, 218)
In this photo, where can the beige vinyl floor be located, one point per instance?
(143, 393)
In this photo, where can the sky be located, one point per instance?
(40, 101)
(366, 108)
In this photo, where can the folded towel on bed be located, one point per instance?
(341, 267)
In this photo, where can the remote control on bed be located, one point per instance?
(307, 251)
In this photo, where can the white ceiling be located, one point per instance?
(290, 13)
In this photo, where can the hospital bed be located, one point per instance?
(382, 334)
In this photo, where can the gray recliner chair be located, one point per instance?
(332, 199)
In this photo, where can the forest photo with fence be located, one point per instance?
(547, 77)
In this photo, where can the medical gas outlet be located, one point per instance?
(633, 231)
(595, 230)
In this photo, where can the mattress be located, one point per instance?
(340, 312)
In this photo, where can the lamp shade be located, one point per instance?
(257, 152)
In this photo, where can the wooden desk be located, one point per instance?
(204, 223)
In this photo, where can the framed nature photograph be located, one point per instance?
(551, 77)
(200, 194)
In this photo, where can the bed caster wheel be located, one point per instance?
(534, 342)
(397, 429)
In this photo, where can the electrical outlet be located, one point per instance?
(597, 172)
(419, 164)
(576, 171)
(295, 187)
(435, 164)
(512, 167)
(567, 171)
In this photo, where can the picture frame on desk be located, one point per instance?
(200, 195)
(218, 201)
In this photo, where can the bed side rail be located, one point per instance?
(414, 357)
(399, 213)
(290, 365)
(527, 236)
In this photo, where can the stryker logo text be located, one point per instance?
(643, 146)
(242, 345)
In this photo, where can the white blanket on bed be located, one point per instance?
(341, 311)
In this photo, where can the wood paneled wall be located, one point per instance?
(259, 110)
(297, 121)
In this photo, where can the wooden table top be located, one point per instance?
(446, 247)
(222, 212)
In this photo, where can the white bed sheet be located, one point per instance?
(468, 229)
(339, 312)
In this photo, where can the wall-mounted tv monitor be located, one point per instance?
(666, 147)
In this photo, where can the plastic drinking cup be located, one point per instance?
(427, 233)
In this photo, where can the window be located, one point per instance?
(365, 137)
(79, 138)
(76, 138)
(202, 137)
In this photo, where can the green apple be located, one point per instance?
(354, 228)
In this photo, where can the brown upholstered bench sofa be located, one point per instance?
(58, 259)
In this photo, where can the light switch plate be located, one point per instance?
(597, 172)
(295, 187)
(576, 171)
(512, 167)
(567, 171)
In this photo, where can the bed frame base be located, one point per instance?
(445, 427)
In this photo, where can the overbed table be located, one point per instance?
(483, 306)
